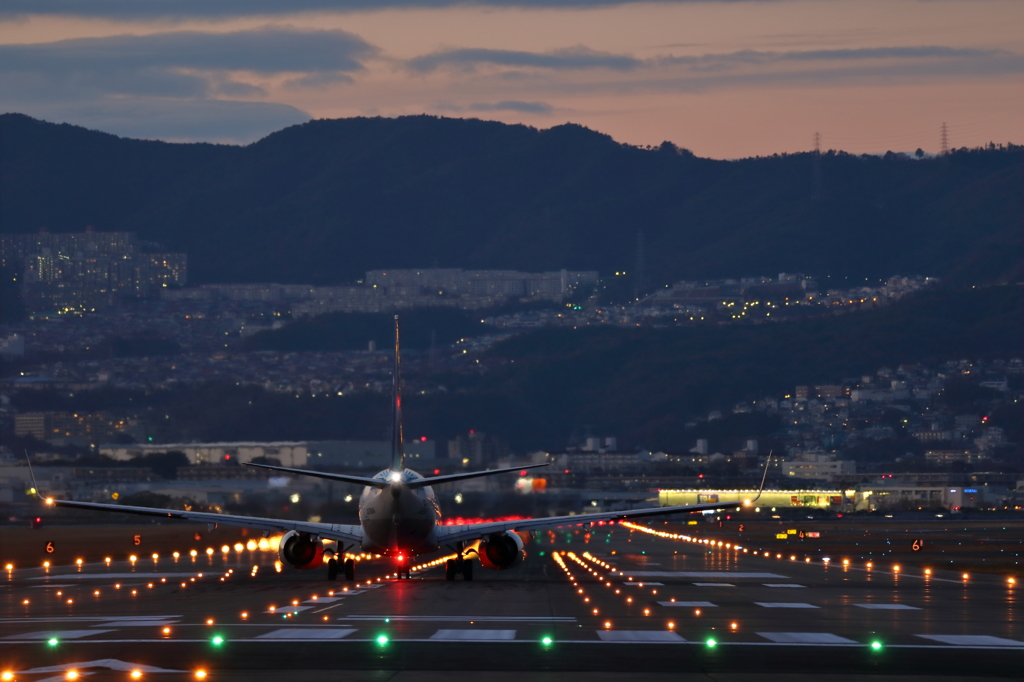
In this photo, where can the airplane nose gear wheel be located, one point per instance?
(350, 569)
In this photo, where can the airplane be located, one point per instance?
(398, 517)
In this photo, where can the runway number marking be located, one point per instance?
(49, 547)
(917, 546)
(137, 540)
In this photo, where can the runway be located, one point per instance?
(601, 602)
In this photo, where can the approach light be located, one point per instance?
(135, 674)
(71, 675)
(200, 674)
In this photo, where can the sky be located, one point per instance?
(722, 78)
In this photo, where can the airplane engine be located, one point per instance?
(301, 551)
(501, 550)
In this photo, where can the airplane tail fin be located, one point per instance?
(764, 476)
(397, 443)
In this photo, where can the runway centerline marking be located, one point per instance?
(785, 605)
(713, 585)
(805, 638)
(473, 635)
(59, 634)
(307, 633)
(705, 574)
(639, 636)
(973, 640)
(635, 584)
(690, 604)
(783, 585)
(888, 607)
(466, 619)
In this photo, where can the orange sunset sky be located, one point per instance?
(724, 79)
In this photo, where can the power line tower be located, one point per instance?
(944, 139)
(640, 268)
(816, 169)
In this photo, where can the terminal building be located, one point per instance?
(330, 454)
(820, 499)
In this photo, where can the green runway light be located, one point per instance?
(712, 643)
(53, 641)
(387, 620)
(546, 641)
(217, 641)
(876, 645)
(382, 640)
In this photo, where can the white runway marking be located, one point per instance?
(713, 585)
(634, 584)
(322, 600)
(59, 634)
(104, 576)
(690, 604)
(783, 585)
(973, 640)
(466, 619)
(785, 605)
(108, 663)
(639, 636)
(888, 607)
(473, 635)
(135, 623)
(288, 609)
(308, 633)
(704, 574)
(805, 638)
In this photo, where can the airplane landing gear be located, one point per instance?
(350, 569)
(453, 567)
(332, 569)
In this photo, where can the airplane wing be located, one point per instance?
(330, 531)
(345, 478)
(448, 478)
(474, 531)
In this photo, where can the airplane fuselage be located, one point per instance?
(398, 520)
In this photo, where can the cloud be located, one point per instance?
(714, 62)
(179, 9)
(513, 105)
(183, 120)
(266, 50)
(192, 74)
(574, 58)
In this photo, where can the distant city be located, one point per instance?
(891, 439)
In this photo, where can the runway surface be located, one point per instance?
(600, 603)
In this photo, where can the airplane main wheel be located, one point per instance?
(467, 569)
(449, 570)
(350, 569)
(332, 569)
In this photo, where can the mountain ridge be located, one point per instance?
(324, 201)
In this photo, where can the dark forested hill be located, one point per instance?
(324, 201)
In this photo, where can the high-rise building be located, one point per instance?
(79, 272)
